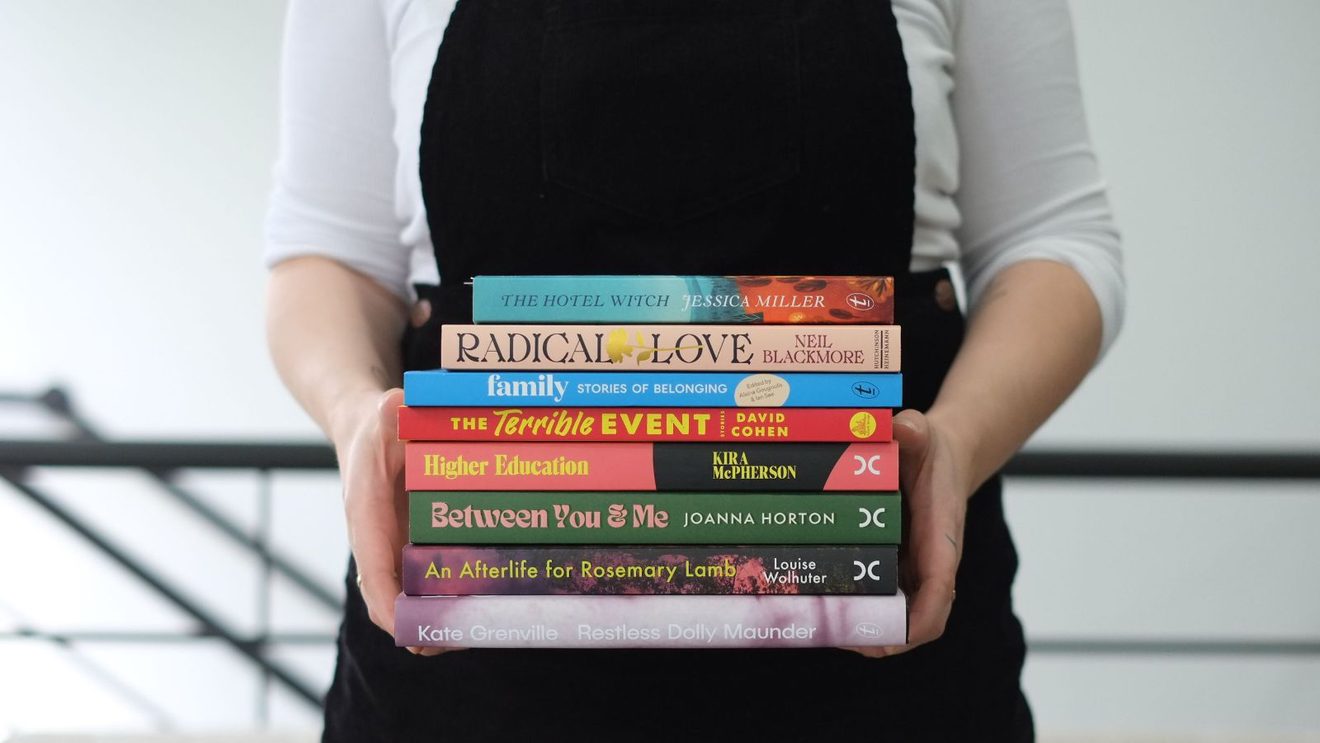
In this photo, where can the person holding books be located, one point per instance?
(425, 143)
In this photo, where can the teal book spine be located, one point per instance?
(770, 300)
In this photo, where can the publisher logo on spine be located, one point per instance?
(865, 390)
(860, 302)
(869, 629)
(862, 425)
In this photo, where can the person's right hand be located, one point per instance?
(375, 505)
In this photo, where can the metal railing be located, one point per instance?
(163, 460)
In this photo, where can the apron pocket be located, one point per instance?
(669, 114)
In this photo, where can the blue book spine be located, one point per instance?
(650, 389)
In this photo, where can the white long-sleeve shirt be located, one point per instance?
(1005, 168)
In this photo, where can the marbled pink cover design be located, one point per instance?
(673, 621)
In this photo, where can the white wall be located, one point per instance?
(1204, 113)
(136, 138)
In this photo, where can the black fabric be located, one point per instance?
(686, 136)
(488, 143)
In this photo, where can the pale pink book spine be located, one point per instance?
(674, 621)
(832, 348)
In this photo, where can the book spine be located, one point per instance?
(644, 424)
(644, 466)
(841, 348)
(599, 622)
(653, 518)
(687, 570)
(684, 299)
(645, 389)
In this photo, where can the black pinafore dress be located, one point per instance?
(686, 137)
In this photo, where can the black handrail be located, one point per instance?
(209, 622)
(164, 459)
(163, 455)
(1062, 463)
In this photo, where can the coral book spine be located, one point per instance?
(644, 466)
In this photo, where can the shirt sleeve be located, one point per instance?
(334, 180)
(1030, 187)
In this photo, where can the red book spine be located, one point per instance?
(645, 424)
(646, 466)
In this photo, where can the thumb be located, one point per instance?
(912, 432)
(388, 406)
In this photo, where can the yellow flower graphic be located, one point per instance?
(617, 347)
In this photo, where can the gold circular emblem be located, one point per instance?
(862, 425)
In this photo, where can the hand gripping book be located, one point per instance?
(688, 570)
(644, 424)
(651, 389)
(764, 348)
(654, 518)
(684, 299)
(644, 466)
(689, 622)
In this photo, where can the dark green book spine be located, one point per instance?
(653, 518)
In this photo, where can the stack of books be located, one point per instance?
(656, 461)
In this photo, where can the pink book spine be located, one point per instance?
(836, 348)
(674, 621)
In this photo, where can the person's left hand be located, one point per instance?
(933, 472)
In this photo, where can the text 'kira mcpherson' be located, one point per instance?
(731, 465)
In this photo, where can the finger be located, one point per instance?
(881, 651)
(933, 562)
(390, 460)
(913, 436)
(379, 580)
(429, 652)
(375, 536)
(388, 410)
(930, 610)
(376, 518)
(912, 432)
